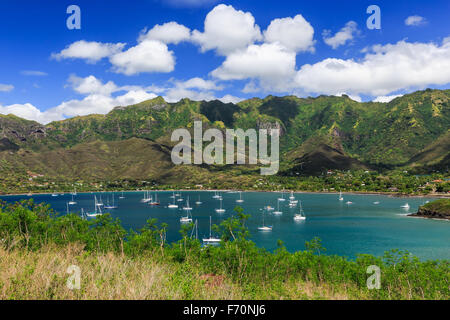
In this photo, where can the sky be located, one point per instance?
(126, 52)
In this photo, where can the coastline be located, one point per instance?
(381, 193)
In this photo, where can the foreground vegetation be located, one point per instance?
(38, 246)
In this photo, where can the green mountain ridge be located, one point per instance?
(326, 132)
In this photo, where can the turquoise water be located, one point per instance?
(345, 230)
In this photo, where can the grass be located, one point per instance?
(42, 274)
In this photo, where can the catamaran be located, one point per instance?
(341, 198)
(264, 227)
(300, 216)
(240, 198)
(211, 240)
(73, 202)
(198, 202)
(278, 212)
(220, 210)
(108, 206)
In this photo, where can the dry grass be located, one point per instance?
(42, 275)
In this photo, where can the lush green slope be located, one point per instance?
(327, 131)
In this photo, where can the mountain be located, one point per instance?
(325, 132)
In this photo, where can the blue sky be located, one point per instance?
(206, 49)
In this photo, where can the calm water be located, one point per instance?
(346, 230)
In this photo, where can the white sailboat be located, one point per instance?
(199, 202)
(264, 227)
(376, 202)
(73, 202)
(173, 205)
(100, 202)
(97, 210)
(215, 196)
(278, 212)
(147, 198)
(349, 203)
(282, 197)
(405, 206)
(112, 206)
(291, 197)
(220, 210)
(74, 193)
(240, 198)
(211, 240)
(54, 194)
(187, 219)
(341, 198)
(300, 216)
(187, 207)
(122, 197)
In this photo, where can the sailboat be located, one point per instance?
(291, 197)
(187, 219)
(278, 212)
(341, 198)
(198, 202)
(74, 193)
(211, 240)
(240, 198)
(54, 194)
(108, 206)
(405, 206)
(122, 197)
(264, 227)
(155, 202)
(187, 205)
(99, 203)
(282, 197)
(220, 210)
(215, 196)
(376, 202)
(147, 198)
(300, 216)
(180, 199)
(173, 205)
(73, 202)
(97, 210)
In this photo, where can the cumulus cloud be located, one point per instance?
(147, 56)
(386, 99)
(26, 111)
(227, 30)
(341, 37)
(295, 34)
(92, 51)
(272, 64)
(383, 70)
(6, 87)
(415, 20)
(170, 32)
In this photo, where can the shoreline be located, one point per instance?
(381, 193)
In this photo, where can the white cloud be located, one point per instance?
(26, 111)
(272, 64)
(341, 37)
(353, 97)
(147, 56)
(383, 70)
(6, 87)
(170, 32)
(89, 51)
(227, 30)
(33, 73)
(91, 85)
(295, 34)
(386, 99)
(415, 21)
